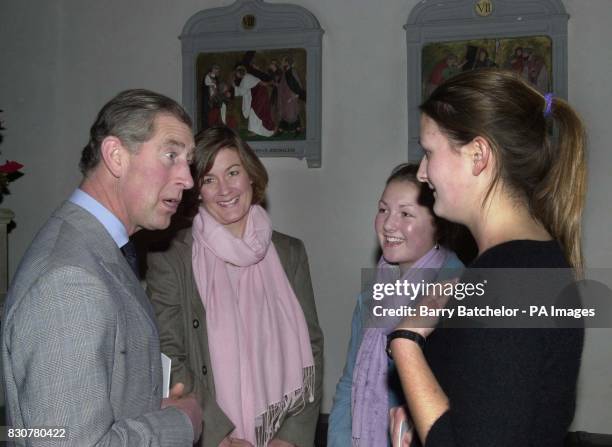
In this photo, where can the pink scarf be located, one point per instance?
(257, 335)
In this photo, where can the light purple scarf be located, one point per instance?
(370, 394)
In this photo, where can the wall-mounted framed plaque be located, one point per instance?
(447, 37)
(256, 67)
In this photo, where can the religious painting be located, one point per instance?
(530, 57)
(256, 67)
(447, 37)
(260, 93)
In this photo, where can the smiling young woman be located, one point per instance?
(414, 248)
(405, 229)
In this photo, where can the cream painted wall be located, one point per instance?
(590, 63)
(62, 59)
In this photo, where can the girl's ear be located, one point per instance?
(480, 152)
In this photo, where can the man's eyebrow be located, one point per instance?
(173, 142)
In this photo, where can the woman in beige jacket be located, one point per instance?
(235, 308)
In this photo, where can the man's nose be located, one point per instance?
(184, 177)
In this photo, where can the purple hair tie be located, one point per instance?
(548, 97)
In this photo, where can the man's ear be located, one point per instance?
(113, 155)
(481, 154)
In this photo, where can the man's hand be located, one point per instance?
(188, 405)
(397, 415)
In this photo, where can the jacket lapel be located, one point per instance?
(126, 279)
(110, 256)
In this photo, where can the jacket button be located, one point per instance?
(196, 324)
(204, 370)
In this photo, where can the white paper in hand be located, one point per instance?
(166, 365)
(402, 431)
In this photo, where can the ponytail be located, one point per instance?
(559, 201)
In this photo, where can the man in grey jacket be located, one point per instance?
(80, 346)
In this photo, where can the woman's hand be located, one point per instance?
(397, 417)
(425, 324)
(426, 399)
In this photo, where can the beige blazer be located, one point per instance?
(182, 325)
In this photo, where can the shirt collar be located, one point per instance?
(110, 222)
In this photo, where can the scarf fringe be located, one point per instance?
(267, 424)
(355, 442)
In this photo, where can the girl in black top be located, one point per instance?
(508, 163)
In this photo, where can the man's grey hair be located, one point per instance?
(129, 116)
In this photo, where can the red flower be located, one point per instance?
(10, 166)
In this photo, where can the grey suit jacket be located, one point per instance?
(80, 346)
(182, 325)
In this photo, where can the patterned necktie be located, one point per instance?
(129, 252)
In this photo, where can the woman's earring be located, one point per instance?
(437, 246)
